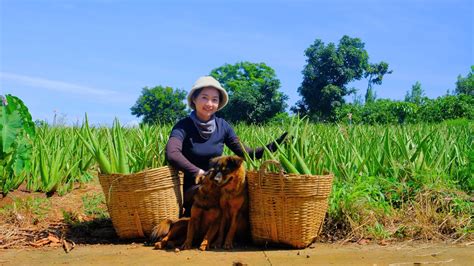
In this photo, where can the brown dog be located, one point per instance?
(230, 173)
(203, 223)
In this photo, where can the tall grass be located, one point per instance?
(390, 181)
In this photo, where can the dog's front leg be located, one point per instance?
(212, 231)
(232, 229)
(192, 227)
(222, 227)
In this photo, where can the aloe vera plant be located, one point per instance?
(293, 154)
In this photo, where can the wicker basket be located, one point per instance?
(137, 202)
(287, 209)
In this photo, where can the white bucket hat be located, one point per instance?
(208, 81)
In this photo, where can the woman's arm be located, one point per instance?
(238, 148)
(176, 158)
(235, 146)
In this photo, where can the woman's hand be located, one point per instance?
(201, 172)
(272, 146)
(199, 176)
(281, 138)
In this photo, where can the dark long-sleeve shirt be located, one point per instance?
(189, 152)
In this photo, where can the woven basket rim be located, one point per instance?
(287, 175)
(142, 171)
(281, 172)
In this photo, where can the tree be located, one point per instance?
(328, 71)
(253, 92)
(417, 94)
(160, 105)
(466, 85)
(370, 95)
(374, 74)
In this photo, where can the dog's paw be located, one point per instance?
(204, 245)
(186, 245)
(217, 244)
(160, 245)
(228, 245)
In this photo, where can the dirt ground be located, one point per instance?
(31, 234)
(407, 253)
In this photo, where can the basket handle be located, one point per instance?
(264, 167)
(111, 185)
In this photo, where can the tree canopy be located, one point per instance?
(160, 105)
(465, 85)
(417, 95)
(328, 71)
(374, 74)
(253, 89)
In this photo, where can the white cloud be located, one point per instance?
(55, 85)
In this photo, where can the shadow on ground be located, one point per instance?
(101, 231)
(96, 231)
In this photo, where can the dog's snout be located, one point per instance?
(218, 177)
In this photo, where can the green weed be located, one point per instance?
(94, 205)
(378, 231)
(30, 210)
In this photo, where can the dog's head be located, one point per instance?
(224, 168)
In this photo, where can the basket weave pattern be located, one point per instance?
(287, 209)
(137, 202)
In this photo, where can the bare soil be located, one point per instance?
(63, 233)
(321, 254)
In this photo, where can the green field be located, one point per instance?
(406, 181)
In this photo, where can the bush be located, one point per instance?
(17, 130)
(448, 107)
(385, 111)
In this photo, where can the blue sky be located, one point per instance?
(73, 57)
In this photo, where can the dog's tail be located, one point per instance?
(160, 230)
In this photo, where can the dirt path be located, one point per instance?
(322, 254)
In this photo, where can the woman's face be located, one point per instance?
(206, 103)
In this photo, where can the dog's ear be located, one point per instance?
(214, 162)
(234, 162)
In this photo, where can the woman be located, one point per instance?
(201, 136)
